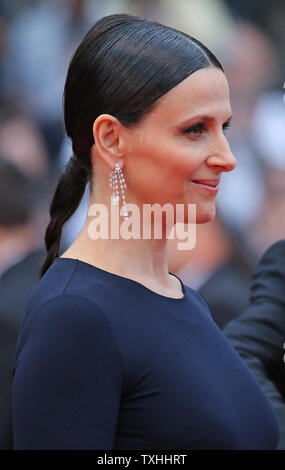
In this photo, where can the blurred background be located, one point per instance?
(37, 39)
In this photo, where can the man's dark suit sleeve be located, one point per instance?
(258, 334)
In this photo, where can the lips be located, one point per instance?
(213, 183)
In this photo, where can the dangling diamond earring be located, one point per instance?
(113, 183)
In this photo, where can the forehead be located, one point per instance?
(205, 91)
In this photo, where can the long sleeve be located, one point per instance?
(258, 334)
(68, 378)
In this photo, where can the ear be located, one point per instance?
(108, 138)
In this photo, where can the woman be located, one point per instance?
(115, 352)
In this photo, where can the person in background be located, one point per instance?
(258, 334)
(226, 288)
(21, 256)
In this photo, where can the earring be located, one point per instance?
(113, 183)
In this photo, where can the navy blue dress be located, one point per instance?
(103, 362)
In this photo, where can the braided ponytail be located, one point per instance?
(66, 199)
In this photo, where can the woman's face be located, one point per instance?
(181, 141)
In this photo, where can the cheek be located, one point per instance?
(147, 170)
(184, 156)
(185, 162)
(160, 165)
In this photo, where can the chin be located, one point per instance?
(204, 216)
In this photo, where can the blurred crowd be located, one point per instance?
(37, 39)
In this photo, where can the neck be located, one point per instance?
(142, 258)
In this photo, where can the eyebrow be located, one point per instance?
(204, 118)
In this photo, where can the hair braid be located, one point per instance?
(66, 199)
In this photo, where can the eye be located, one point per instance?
(199, 128)
(195, 130)
(226, 125)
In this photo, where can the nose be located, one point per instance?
(222, 155)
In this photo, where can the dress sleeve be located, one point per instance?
(258, 334)
(68, 382)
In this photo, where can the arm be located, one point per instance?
(68, 380)
(258, 334)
